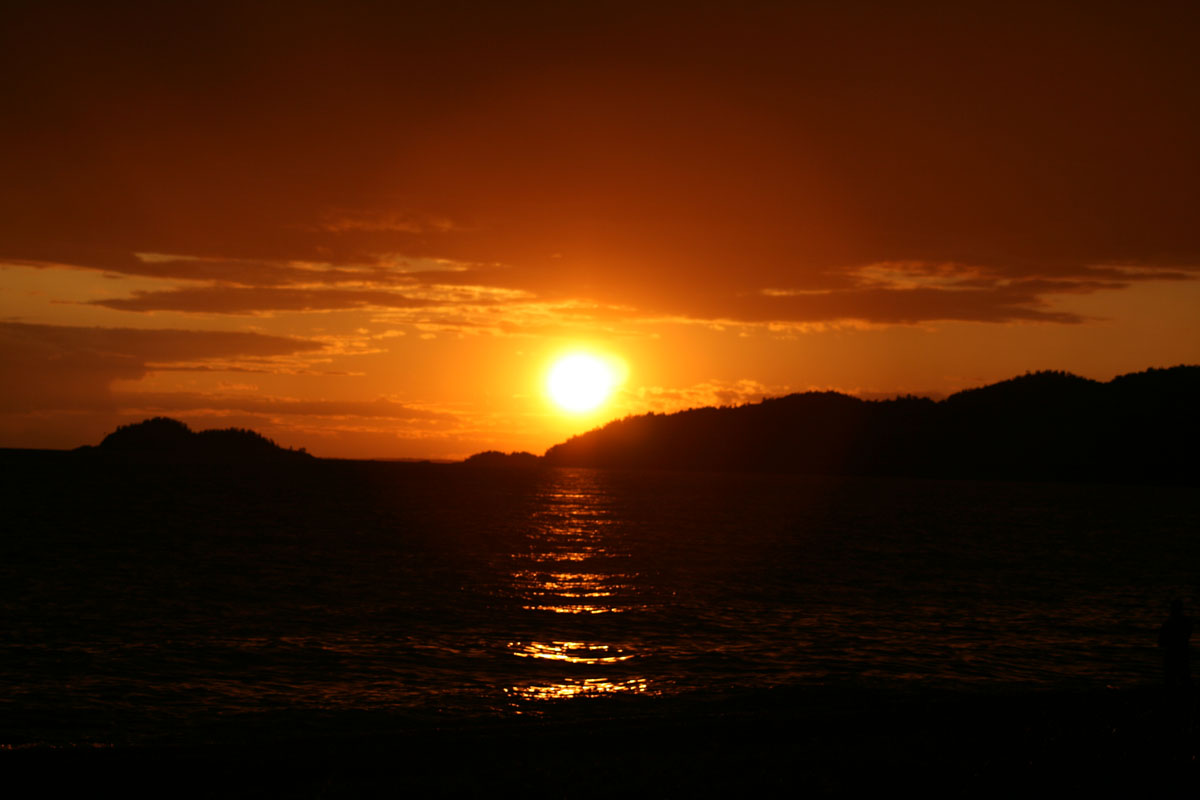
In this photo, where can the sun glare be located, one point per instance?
(581, 382)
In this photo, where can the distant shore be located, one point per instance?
(811, 741)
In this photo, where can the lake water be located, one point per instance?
(196, 603)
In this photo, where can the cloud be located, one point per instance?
(217, 402)
(249, 300)
(58, 366)
(341, 221)
(904, 292)
(904, 306)
(881, 293)
(709, 393)
(385, 270)
(665, 164)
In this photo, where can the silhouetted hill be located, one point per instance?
(1043, 425)
(166, 438)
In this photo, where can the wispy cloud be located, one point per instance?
(250, 300)
(347, 221)
(880, 293)
(709, 393)
(254, 403)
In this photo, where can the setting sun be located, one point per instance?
(580, 382)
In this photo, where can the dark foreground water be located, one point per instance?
(190, 604)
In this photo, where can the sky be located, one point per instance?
(370, 229)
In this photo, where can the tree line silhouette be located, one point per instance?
(1048, 425)
(1038, 426)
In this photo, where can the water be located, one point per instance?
(192, 604)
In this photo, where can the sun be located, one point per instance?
(581, 382)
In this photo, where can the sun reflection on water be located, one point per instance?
(586, 574)
(571, 687)
(573, 652)
(574, 592)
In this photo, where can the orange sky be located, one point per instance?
(368, 229)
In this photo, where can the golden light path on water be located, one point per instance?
(574, 652)
(571, 592)
(580, 688)
(570, 567)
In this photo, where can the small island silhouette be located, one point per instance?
(495, 458)
(163, 438)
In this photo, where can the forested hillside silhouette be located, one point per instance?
(1038, 426)
(170, 439)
